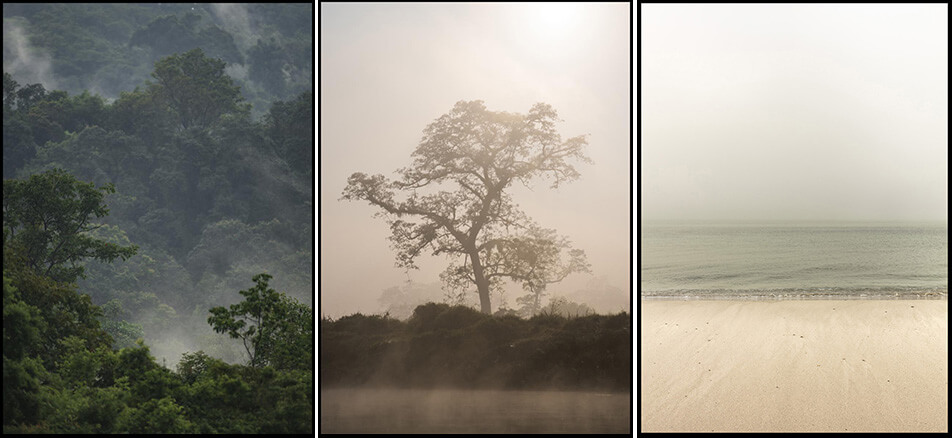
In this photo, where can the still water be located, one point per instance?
(473, 411)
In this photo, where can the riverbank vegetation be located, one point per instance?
(459, 347)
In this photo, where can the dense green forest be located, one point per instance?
(111, 48)
(158, 218)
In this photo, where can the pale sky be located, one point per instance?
(388, 70)
(794, 111)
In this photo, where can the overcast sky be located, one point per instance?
(388, 70)
(794, 111)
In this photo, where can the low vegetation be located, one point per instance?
(457, 346)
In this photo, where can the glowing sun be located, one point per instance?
(552, 24)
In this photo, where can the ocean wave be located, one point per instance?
(809, 293)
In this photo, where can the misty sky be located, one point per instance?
(794, 111)
(388, 70)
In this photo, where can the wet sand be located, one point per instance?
(809, 366)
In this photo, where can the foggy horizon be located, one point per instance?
(389, 70)
(818, 112)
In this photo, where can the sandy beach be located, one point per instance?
(805, 366)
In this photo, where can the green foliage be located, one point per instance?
(142, 113)
(20, 99)
(78, 366)
(19, 145)
(267, 66)
(123, 333)
(291, 394)
(155, 416)
(34, 117)
(220, 44)
(62, 312)
(193, 365)
(103, 408)
(215, 393)
(23, 324)
(290, 125)
(94, 153)
(168, 34)
(275, 330)
(111, 47)
(177, 157)
(196, 88)
(223, 398)
(49, 217)
(22, 380)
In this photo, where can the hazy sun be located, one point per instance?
(552, 18)
(550, 26)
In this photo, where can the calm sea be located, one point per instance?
(794, 261)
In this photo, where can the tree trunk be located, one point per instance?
(482, 284)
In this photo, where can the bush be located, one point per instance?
(456, 346)
(155, 416)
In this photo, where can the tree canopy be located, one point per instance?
(456, 200)
(185, 171)
(274, 329)
(196, 87)
(62, 374)
(49, 215)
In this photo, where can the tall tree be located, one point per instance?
(196, 88)
(49, 216)
(289, 125)
(19, 145)
(275, 330)
(479, 154)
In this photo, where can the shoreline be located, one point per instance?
(792, 298)
(807, 365)
(796, 294)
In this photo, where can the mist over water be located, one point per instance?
(794, 260)
(363, 410)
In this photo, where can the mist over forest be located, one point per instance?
(158, 186)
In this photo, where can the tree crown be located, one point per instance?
(478, 154)
(50, 216)
(275, 329)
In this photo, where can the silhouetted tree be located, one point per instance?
(480, 154)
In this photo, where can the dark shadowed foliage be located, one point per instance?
(456, 346)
